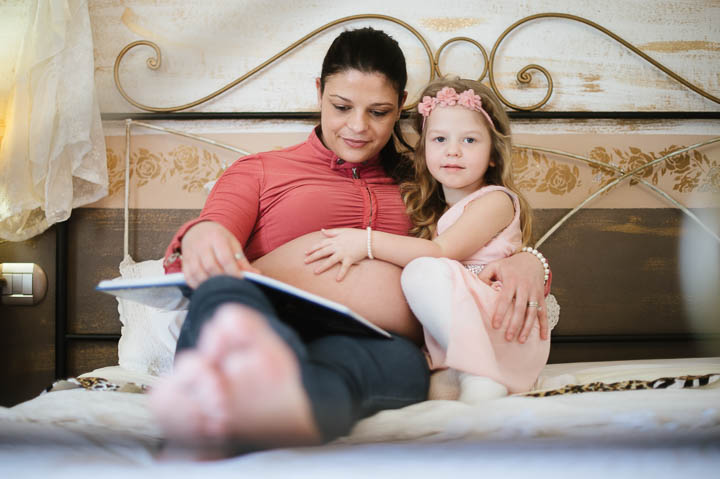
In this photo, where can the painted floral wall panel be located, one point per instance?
(173, 172)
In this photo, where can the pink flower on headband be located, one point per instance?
(426, 106)
(449, 97)
(470, 100)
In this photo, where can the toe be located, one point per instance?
(232, 327)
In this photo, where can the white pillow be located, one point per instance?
(149, 335)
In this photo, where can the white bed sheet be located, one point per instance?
(115, 430)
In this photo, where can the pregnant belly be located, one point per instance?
(371, 288)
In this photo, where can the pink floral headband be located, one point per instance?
(449, 97)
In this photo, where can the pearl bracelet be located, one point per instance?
(539, 255)
(369, 243)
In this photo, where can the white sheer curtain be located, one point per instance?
(52, 156)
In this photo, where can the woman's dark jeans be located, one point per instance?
(346, 377)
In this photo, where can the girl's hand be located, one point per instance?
(522, 281)
(346, 246)
(209, 249)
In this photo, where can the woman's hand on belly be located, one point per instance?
(371, 288)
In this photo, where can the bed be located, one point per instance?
(637, 393)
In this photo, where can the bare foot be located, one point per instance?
(239, 389)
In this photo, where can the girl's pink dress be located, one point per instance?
(474, 346)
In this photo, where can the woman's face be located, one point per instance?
(357, 114)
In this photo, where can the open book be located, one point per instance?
(309, 314)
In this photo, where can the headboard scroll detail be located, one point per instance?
(524, 76)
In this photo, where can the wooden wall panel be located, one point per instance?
(615, 274)
(616, 271)
(627, 350)
(87, 355)
(96, 250)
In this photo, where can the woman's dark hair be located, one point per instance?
(373, 51)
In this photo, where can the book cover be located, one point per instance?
(309, 314)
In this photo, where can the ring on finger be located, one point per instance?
(534, 304)
(238, 256)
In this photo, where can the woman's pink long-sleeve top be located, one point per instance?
(270, 198)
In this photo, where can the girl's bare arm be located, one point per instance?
(481, 220)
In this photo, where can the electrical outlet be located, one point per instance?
(22, 284)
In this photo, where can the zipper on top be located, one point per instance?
(356, 176)
(371, 206)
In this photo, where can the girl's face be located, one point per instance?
(357, 114)
(457, 150)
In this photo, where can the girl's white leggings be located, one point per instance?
(427, 284)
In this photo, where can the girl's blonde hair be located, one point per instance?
(423, 196)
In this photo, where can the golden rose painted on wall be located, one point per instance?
(116, 172)
(560, 179)
(148, 166)
(534, 171)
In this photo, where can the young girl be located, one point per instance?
(466, 213)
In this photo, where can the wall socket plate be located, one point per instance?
(22, 284)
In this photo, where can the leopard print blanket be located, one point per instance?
(96, 384)
(678, 382)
